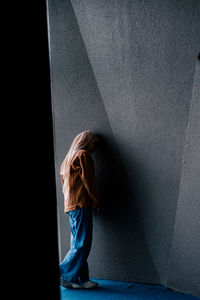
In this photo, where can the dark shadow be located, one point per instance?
(126, 253)
(119, 211)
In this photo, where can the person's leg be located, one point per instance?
(84, 273)
(84, 270)
(74, 267)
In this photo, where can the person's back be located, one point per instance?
(82, 190)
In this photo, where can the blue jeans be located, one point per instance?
(74, 267)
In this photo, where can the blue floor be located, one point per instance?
(119, 290)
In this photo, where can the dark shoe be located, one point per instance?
(65, 283)
(87, 285)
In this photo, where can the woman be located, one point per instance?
(80, 200)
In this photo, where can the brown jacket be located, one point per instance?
(82, 189)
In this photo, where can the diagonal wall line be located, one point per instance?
(113, 135)
(181, 173)
(93, 71)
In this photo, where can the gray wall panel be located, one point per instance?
(77, 105)
(184, 271)
(143, 60)
(125, 69)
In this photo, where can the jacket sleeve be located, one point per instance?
(87, 175)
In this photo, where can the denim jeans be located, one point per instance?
(74, 267)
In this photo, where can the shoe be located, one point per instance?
(65, 283)
(87, 285)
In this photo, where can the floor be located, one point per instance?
(119, 290)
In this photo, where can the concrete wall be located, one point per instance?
(125, 70)
(184, 260)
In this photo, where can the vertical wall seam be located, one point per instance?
(180, 182)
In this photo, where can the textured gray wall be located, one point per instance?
(185, 253)
(125, 69)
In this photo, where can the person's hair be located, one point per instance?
(81, 141)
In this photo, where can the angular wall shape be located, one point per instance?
(125, 69)
(77, 105)
(184, 271)
(143, 57)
